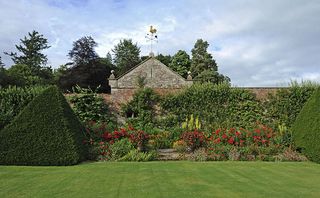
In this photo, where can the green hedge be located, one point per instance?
(13, 100)
(306, 129)
(142, 107)
(215, 105)
(89, 106)
(46, 132)
(284, 106)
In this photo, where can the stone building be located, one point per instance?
(150, 73)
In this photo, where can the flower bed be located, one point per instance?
(102, 141)
(260, 143)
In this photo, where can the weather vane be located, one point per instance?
(152, 37)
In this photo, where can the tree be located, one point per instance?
(58, 73)
(211, 76)
(109, 58)
(143, 58)
(165, 59)
(22, 75)
(88, 70)
(30, 65)
(203, 67)
(93, 75)
(1, 63)
(181, 63)
(3, 75)
(30, 49)
(83, 51)
(201, 59)
(126, 55)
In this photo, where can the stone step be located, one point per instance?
(168, 154)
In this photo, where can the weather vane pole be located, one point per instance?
(152, 36)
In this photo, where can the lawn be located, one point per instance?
(163, 179)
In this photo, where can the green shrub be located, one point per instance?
(46, 132)
(161, 140)
(306, 129)
(137, 156)
(142, 107)
(180, 146)
(121, 148)
(13, 100)
(89, 106)
(215, 106)
(283, 107)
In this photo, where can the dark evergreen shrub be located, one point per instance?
(306, 129)
(46, 132)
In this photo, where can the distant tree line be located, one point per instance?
(87, 69)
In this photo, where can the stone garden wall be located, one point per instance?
(120, 96)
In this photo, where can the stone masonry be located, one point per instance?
(155, 75)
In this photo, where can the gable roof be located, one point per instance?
(148, 60)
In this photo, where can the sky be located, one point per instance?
(257, 43)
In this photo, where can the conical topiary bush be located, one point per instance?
(306, 129)
(46, 132)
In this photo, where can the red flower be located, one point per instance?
(224, 136)
(257, 131)
(218, 131)
(130, 127)
(231, 140)
(218, 140)
(107, 136)
(238, 133)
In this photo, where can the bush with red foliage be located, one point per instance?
(260, 136)
(194, 139)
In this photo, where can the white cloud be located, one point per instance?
(256, 43)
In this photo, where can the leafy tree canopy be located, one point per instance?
(30, 51)
(165, 59)
(92, 75)
(1, 63)
(181, 63)
(83, 51)
(212, 76)
(126, 55)
(201, 59)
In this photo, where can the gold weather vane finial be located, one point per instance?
(152, 30)
(152, 37)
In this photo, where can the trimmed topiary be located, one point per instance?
(306, 129)
(46, 132)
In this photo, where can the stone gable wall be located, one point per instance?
(156, 75)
